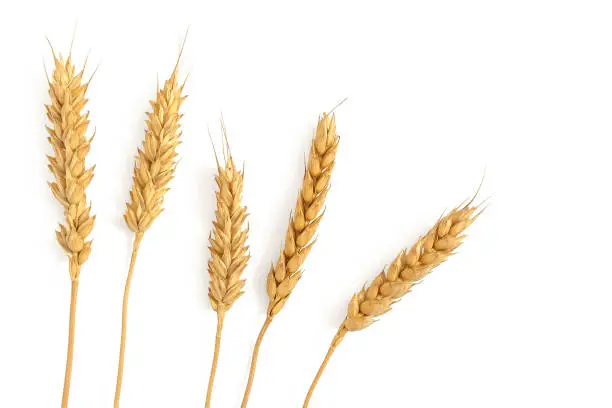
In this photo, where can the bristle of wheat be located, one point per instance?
(409, 267)
(228, 248)
(156, 159)
(284, 276)
(67, 135)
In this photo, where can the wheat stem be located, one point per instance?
(335, 342)
(71, 332)
(247, 391)
(124, 315)
(213, 369)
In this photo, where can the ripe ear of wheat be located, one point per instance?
(67, 135)
(228, 248)
(154, 168)
(407, 269)
(286, 273)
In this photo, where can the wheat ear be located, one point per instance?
(154, 168)
(303, 224)
(70, 147)
(407, 269)
(228, 248)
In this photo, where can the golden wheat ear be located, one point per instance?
(153, 169)
(408, 268)
(227, 245)
(67, 129)
(301, 233)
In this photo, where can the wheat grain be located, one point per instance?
(407, 269)
(303, 224)
(67, 135)
(153, 170)
(228, 249)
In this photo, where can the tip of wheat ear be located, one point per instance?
(156, 159)
(409, 267)
(67, 135)
(228, 249)
(284, 276)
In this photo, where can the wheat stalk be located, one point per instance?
(154, 168)
(303, 224)
(407, 269)
(67, 135)
(228, 248)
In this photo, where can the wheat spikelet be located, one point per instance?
(407, 269)
(228, 248)
(156, 160)
(67, 135)
(303, 224)
(153, 170)
(306, 217)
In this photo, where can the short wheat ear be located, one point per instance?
(67, 135)
(301, 233)
(408, 268)
(228, 248)
(154, 167)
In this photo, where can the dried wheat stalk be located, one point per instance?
(153, 170)
(228, 248)
(303, 224)
(407, 269)
(67, 135)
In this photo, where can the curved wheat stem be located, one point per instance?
(334, 344)
(228, 249)
(303, 224)
(407, 269)
(67, 135)
(124, 316)
(153, 170)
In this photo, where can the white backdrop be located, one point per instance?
(437, 92)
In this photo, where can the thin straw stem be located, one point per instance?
(71, 332)
(213, 369)
(335, 342)
(247, 391)
(126, 295)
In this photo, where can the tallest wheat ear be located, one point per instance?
(153, 170)
(303, 224)
(407, 269)
(70, 147)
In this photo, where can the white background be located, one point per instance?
(437, 92)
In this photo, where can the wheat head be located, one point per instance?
(156, 160)
(67, 135)
(228, 249)
(303, 224)
(409, 267)
(154, 168)
(306, 217)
